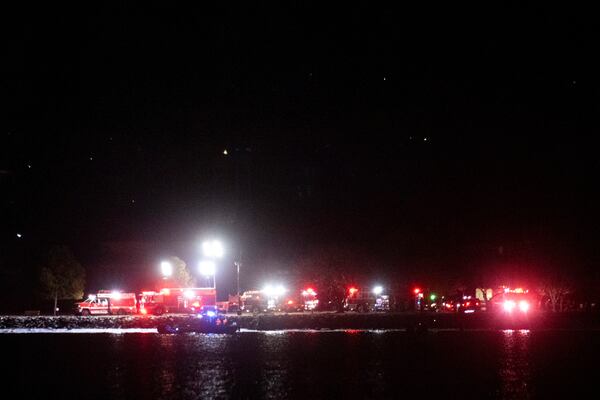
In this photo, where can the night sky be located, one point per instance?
(428, 142)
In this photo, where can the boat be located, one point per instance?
(217, 325)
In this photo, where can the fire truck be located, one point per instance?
(178, 300)
(107, 302)
(309, 299)
(275, 300)
(254, 301)
(366, 301)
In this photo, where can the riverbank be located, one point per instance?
(409, 321)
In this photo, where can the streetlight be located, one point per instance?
(238, 264)
(213, 249)
(208, 268)
(166, 269)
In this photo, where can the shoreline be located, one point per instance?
(318, 321)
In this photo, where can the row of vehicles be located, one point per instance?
(276, 299)
(167, 300)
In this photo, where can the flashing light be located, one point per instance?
(166, 268)
(468, 303)
(417, 290)
(210, 313)
(509, 305)
(433, 297)
(523, 306)
(165, 291)
(352, 290)
(116, 295)
(213, 249)
(290, 302)
(378, 290)
(309, 292)
(207, 267)
(92, 297)
(188, 294)
(519, 290)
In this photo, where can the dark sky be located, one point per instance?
(426, 139)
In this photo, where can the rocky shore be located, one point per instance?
(408, 321)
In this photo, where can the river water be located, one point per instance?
(302, 364)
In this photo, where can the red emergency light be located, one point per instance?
(353, 290)
(417, 290)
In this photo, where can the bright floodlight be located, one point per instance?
(166, 268)
(116, 295)
(213, 249)
(207, 268)
(274, 291)
(377, 290)
(188, 294)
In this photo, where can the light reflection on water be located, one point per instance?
(283, 364)
(515, 364)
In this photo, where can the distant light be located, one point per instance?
(432, 297)
(417, 291)
(523, 306)
(19, 235)
(509, 305)
(29, 166)
(425, 139)
(378, 290)
(469, 311)
(290, 302)
(225, 152)
(207, 267)
(352, 290)
(166, 268)
(213, 249)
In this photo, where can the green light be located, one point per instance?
(432, 297)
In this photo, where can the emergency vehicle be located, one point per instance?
(254, 301)
(309, 299)
(366, 301)
(269, 300)
(178, 300)
(107, 302)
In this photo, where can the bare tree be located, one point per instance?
(556, 288)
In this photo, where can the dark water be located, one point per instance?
(328, 365)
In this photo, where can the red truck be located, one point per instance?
(107, 302)
(182, 300)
